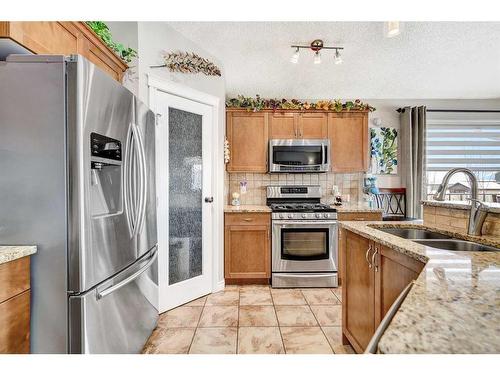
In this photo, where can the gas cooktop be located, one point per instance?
(301, 207)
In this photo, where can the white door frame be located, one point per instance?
(159, 84)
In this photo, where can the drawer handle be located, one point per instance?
(367, 254)
(359, 219)
(248, 219)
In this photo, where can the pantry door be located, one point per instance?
(185, 156)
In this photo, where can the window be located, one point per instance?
(471, 140)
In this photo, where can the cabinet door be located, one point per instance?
(15, 324)
(348, 134)
(247, 134)
(283, 125)
(358, 321)
(247, 252)
(313, 125)
(394, 272)
(46, 37)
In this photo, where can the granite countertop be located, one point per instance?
(10, 253)
(454, 305)
(245, 208)
(463, 205)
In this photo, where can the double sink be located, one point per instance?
(437, 240)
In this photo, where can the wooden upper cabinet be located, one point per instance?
(297, 125)
(348, 134)
(283, 125)
(64, 38)
(46, 37)
(313, 125)
(247, 134)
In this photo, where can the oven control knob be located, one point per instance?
(282, 216)
(304, 216)
(290, 216)
(326, 216)
(317, 216)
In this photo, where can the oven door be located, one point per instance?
(304, 246)
(299, 155)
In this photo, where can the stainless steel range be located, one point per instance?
(304, 238)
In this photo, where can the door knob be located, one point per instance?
(209, 199)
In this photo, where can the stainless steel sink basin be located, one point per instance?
(414, 234)
(456, 245)
(437, 240)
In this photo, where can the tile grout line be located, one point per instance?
(319, 325)
(277, 321)
(197, 324)
(238, 322)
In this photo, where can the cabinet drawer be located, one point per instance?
(14, 278)
(360, 216)
(15, 323)
(250, 218)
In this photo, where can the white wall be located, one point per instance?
(154, 38)
(126, 34)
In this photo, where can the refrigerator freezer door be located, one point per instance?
(117, 316)
(147, 235)
(100, 115)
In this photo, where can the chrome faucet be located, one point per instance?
(478, 210)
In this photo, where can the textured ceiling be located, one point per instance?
(428, 60)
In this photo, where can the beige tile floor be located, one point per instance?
(253, 319)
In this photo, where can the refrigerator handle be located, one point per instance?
(141, 205)
(135, 275)
(127, 180)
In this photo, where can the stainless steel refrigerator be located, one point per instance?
(77, 179)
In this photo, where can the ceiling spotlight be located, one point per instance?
(392, 29)
(337, 59)
(295, 57)
(316, 46)
(317, 58)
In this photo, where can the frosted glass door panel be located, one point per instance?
(185, 195)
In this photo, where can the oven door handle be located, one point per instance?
(305, 223)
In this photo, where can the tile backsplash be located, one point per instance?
(348, 183)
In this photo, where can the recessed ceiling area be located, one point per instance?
(432, 60)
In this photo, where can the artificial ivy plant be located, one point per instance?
(102, 31)
(258, 104)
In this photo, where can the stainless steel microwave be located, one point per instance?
(299, 155)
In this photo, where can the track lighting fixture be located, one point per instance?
(316, 46)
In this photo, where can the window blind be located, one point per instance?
(470, 140)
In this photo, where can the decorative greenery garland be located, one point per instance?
(102, 31)
(258, 104)
(189, 62)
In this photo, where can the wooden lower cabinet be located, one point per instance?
(374, 276)
(247, 248)
(352, 216)
(64, 38)
(15, 306)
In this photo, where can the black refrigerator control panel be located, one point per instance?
(105, 147)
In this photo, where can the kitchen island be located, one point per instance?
(454, 304)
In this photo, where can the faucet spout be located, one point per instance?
(441, 191)
(478, 210)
